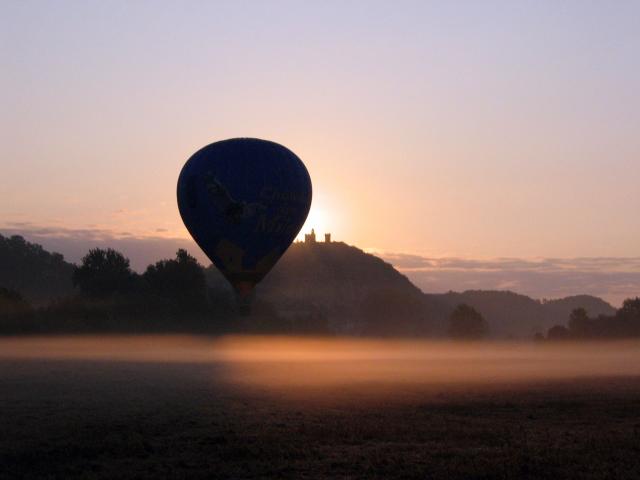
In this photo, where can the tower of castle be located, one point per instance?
(310, 237)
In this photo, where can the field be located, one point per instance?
(197, 407)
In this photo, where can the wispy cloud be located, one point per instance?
(612, 278)
(592, 264)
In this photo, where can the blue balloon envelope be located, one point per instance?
(244, 200)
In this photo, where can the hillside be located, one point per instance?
(510, 314)
(36, 274)
(360, 293)
(558, 310)
(332, 275)
(355, 292)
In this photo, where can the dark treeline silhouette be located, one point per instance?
(624, 323)
(466, 323)
(103, 294)
(182, 280)
(103, 273)
(171, 295)
(326, 288)
(514, 315)
(27, 268)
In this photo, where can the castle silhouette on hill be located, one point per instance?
(310, 238)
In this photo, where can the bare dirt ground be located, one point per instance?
(162, 407)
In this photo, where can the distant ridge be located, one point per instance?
(351, 285)
(355, 292)
(514, 315)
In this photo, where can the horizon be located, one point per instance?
(612, 279)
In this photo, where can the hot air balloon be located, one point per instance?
(244, 200)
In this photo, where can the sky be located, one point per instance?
(466, 130)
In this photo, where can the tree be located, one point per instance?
(182, 280)
(558, 332)
(12, 302)
(103, 273)
(465, 322)
(630, 308)
(28, 268)
(392, 311)
(627, 318)
(580, 323)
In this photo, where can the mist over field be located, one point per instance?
(290, 363)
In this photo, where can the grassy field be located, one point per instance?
(160, 407)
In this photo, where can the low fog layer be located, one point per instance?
(289, 363)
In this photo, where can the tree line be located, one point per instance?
(109, 295)
(104, 273)
(625, 323)
(103, 293)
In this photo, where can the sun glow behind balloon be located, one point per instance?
(319, 220)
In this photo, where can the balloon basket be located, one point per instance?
(244, 305)
(244, 298)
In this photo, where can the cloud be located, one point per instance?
(582, 264)
(612, 278)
